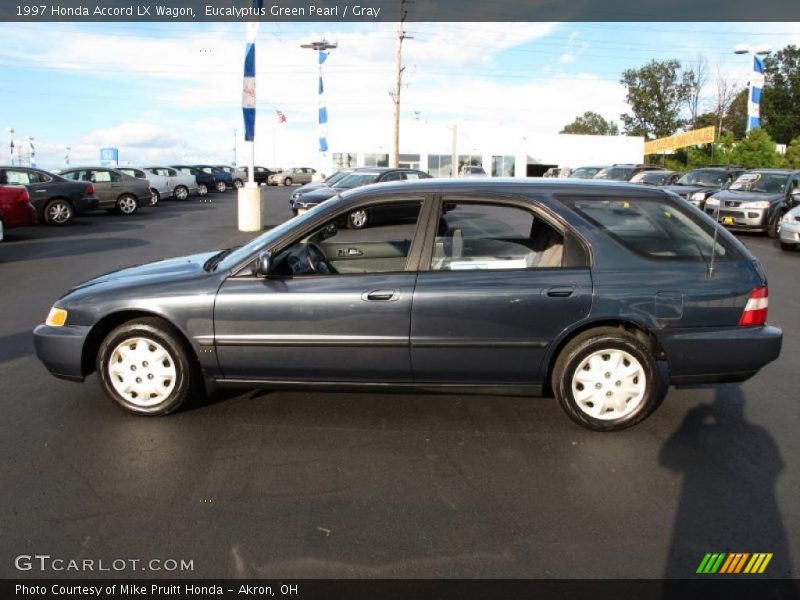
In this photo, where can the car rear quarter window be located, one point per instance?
(656, 229)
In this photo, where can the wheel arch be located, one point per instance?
(104, 326)
(639, 330)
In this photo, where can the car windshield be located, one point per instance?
(760, 183)
(338, 176)
(585, 172)
(703, 177)
(354, 180)
(651, 177)
(615, 173)
(207, 170)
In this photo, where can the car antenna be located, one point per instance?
(710, 269)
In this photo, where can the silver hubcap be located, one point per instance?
(58, 213)
(181, 193)
(154, 198)
(358, 218)
(221, 186)
(202, 190)
(237, 184)
(142, 371)
(609, 384)
(127, 205)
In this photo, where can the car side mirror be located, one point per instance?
(263, 264)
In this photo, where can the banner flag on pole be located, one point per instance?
(33, 154)
(323, 111)
(281, 116)
(249, 80)
(754, 101)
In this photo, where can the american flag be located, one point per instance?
(281, 116)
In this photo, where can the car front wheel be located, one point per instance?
(144, 367)
(238, 184)
(127, 204)
(221, 186)
(775, 226)
(58, 212)
(202, 189)
(607, 379)
(181, 192)
(287, 181)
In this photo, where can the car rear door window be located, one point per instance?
(488, 236)
(651, 228)
(16, 177)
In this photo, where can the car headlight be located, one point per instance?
(698, 196)
(756, 204)
(712, 202)
(57, 317)
(789, 218)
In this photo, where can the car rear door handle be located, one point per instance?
(560, 292)
(379, 295)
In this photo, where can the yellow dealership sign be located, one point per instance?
(706, 135)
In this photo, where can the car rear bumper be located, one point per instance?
(60, 349)
(86, 204)
(19, 215)
(704, 355)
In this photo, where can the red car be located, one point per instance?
(16, 209)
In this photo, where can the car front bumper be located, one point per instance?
(61, 349)
(715, 355)
(745, 219)
(790, 233)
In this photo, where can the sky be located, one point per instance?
(169, 93)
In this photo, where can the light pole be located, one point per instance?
(66, 156)
(322, 122)
(756, 82)
(11, 146)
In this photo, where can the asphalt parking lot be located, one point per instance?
(308, 484)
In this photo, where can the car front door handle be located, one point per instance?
(379, 295)
(560, 292)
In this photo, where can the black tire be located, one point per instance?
(594, 341)
(221, 186)
(58, 212)
(238, 184)
(772, 231)
(181, 192)
(127, 204)
(187, 382)
(202, 189)
(788, 247)
(287, 181)
(155, 197)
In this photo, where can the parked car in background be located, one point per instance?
(598, 292)
(789, 230)
(261, 174)
(697, 185)
(622, 172)
(159, 185)
(472, 171)
(56, 199)
(16, 209)
(314, 185)
(359, 177)
(660, 178)
(756, 201)
(557, 172)
(222, 179)
(238, 176)
(292, 176)
(182, 185)
(116, 191)
(585, 172)
(205, 181)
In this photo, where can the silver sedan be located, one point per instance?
(789, 230)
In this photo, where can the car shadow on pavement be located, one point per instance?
(23, 252)
(728, 500)
(15, 345)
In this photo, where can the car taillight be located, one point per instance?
(755, 311)
(23, 196)
(89, 190)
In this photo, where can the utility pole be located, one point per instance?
(401, 35)
(454, 150)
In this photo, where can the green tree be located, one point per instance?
(756, 150)
(780, 99)
(656, 94)
(591, 123)
(735, 120)
(792, 158)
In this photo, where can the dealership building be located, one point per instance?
(501, 152)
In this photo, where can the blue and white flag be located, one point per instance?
(323, 110)
(11, 152)
(249, 80)
(754, 101)
(33, 155)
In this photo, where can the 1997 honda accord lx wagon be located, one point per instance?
(605, 293)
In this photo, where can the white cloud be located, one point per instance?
(567, 57)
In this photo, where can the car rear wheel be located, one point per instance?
(788, 247)
(238, 183)
(127, 204)
(58, 212)
(144, 367)
(607, 379)
(221, 186)
(357, 219)
(154, 197)
(181, 192)
(202, 189)
(287, 181)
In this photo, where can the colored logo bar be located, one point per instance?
(734, 563)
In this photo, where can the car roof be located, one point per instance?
(776, 171)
